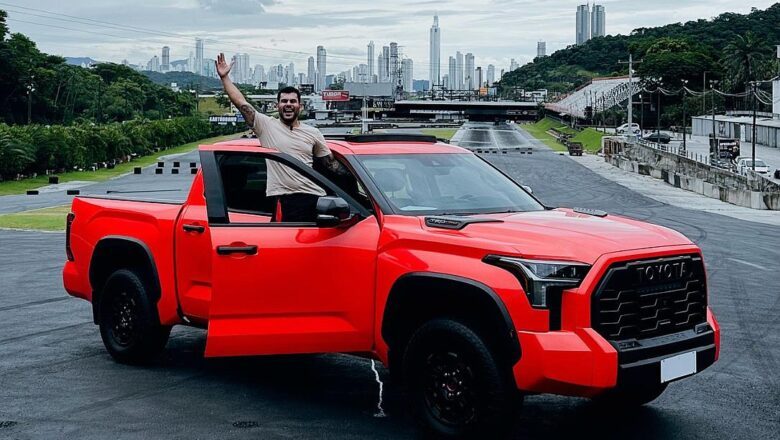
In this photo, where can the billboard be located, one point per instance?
(306, 89)
(335, 95)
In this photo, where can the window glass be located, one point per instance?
(438, 184)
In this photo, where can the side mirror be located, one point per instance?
(528, 188)
(332, 211)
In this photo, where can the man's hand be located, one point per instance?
(223, 68)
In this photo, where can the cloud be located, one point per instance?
(234, 7)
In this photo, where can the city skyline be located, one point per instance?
(279, 31)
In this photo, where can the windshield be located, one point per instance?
(445, 184)
(759, 163)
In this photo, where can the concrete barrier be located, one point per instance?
(752, 191)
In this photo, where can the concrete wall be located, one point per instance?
(752, 191)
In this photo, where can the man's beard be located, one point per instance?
(289, 121)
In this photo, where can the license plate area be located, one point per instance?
(678, 366)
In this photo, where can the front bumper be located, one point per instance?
(583, 363)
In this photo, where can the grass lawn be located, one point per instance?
(539, 131)
(442, 133)
(209, 106)
(46, 219)
(20, 186)
(590, 139)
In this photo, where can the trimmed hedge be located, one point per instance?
(29, 149)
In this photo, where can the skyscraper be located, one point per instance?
(479, 78)
(469, 75)
(583, 24)
(541, 49)
(513, 65)
(491, 75)
(166, 59)
(154, 64)
(459, 70)
(407, 66)
(198, 56)
(370, 61)
(384, 65)
(311, 73)
(598, 21)
(291, 74)
(240, 71)
(258, 74)
(445, 81)
(322, 69)
(435, 52)
(452, 75)
(395, 65)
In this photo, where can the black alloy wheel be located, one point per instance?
(129, 325)
(455, 386)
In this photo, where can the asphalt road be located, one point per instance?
(57, 381)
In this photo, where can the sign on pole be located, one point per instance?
(335, 95)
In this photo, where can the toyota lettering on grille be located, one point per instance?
(663, 272)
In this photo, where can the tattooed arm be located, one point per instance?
(235, 95)
(331, 165)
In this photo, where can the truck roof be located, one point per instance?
(360, 145)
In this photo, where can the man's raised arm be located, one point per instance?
(235, 95)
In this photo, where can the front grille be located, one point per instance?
(648, 298)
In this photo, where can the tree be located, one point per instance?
(745, 59)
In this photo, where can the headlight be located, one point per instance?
(539, 278)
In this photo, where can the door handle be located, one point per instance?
(228, 250)
(194, 228)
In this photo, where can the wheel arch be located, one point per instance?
(420, 296)
(116, 252)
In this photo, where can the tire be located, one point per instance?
(129, 326)
(630, 397)
(455, 387)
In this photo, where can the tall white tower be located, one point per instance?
(583, 24)
(199, 56)
(598, 20)
(435, 53)
(311, 73)
(469, 74)
(459, 70)
(370, 61)
(322, 67)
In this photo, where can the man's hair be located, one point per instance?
(288, 89)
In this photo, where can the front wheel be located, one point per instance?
(129, 326)
(454, 384)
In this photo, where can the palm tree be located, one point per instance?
(745, 59)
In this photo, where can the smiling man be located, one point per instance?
(297, 195)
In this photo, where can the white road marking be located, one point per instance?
(380, 412)
(747, 263)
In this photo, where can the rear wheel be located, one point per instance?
(454, 384)
(129, 326)
(626, 397)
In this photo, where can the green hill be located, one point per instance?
(735, 47)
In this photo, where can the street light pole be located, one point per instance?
(658, 112)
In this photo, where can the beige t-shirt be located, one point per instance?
(303, 142)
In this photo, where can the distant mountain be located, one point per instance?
(81, 61)
(183, 80)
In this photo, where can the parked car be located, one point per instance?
(624, 128)
(746, 163)
(659, 138)
(424, 256)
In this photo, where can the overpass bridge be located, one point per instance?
(472, 110)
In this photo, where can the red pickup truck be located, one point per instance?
(424, 257)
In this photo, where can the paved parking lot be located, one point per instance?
(57, 381)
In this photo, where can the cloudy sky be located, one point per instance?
(283, 31)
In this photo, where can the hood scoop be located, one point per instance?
(588, 211)
(456, 223)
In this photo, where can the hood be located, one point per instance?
(567, 235)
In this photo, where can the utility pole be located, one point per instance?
(713, 142)
(30, 90)
(685, 120)
(630, 94)
(753, 85)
